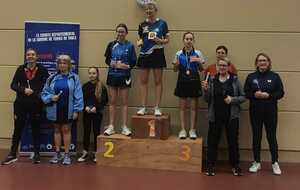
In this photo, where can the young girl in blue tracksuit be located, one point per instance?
(120, 56)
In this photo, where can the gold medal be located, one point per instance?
(188, 72)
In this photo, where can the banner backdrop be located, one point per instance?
(50, 40)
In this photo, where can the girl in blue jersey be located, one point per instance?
(188, 62)
(63, 96)
(121, 58)
(153, 35)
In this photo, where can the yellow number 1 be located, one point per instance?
(185, 153)
(108, 152)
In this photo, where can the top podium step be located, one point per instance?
(150, 126)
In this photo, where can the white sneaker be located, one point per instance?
(83, 157)
(192, 134)
(157, 111)
(109, 130)
(276, 169)
(142, 111)
(182, 134)
(94, 157)
(255, 167)
(126, 131)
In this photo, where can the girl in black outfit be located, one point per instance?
(263, 88)
(28, 83)
(95, 98)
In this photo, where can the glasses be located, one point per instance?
(262, 60)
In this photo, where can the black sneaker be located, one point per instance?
(36, 158)
(9, 160)
(210, 171)
(237, 171)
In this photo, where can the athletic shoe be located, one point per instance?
(255, 167)
(83, 157)
(67, 159)
(9, 160)
(56, 158)
(237, 171)
(182, 134)
(141, 111)
(36, 158)
(157, 111)
(210, 171)
(126, 131)
(192, 134)
(276, 169)
(109, 130)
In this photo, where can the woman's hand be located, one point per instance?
(75, 115)
(204, 85)
(197, 59)
(121, 65)
(228, 99)
(139, 43)
(55, 98)
(93, 110)
(88, 109)
(28, 91)
(113, 64)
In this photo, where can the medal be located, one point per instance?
(188, 72)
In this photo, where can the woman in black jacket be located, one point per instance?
(28, 83)
(224, 94)
(263, 88)
(95, 98)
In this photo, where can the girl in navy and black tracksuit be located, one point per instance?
(188, 88)
(264, 88)
(121, 58)
(95, 98)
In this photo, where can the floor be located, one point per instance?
(87, 176)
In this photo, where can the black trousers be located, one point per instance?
(213, 139)
(267, 118)
(26, 114)
(91, 121)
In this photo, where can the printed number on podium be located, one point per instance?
(185, 153)
(108, 152)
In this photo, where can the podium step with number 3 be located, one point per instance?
(172, 154)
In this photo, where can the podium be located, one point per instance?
(172, 154)
(150, 126)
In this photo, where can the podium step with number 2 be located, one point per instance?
(172, 154)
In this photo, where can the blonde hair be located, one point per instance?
(99, 84)
(153, 3)
(65, 58)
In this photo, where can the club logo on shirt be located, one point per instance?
(269, 81)
(145, 29)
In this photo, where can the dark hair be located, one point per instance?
(31, 49)
(266, 56)
(123, 26)
(222, 47)
(186, 33)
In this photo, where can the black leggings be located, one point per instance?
(213, 139)
(91, 121)
(268, 118)
(22, 114)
